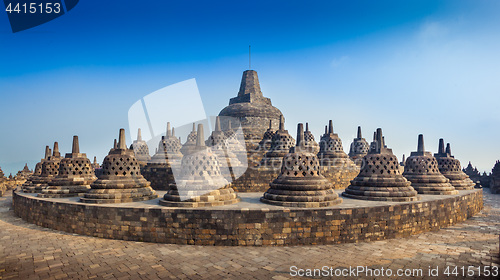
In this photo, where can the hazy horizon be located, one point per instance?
(408, 67)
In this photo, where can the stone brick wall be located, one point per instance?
(160, 176)
(254, 227)
(339, 177)
(255, 179)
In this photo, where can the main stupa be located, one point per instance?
(252, 109)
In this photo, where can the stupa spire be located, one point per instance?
(448, 149)
(173, 131)
(121, 140)
(200, 138)
(441, 146)
(139, 136)
(47, 152)
(380, 141)
(115, 144)
(282, 125)
(76, 147)
(330, 127)
(250, 85)
(56, 150)
(300, 135)
(420, 147)
(359, 133)
(169, 132)
(217, 124)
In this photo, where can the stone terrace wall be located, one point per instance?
(249, 227)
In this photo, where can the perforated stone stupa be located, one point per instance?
(190, 144)
(158, 171)
(172, 146)
(331, 149)
(310, 143)
(300, 183)
(50, 169)
(336, 165)
(450, 167)
(141, 149)
(121, 180)
(219, 144)
(280, 146)
(74, 177)
(25, 173)
(421, 169)
(265, 144)
(252, 109)
(28, 186)
(380, 178)
(200, 182)
(359, 148)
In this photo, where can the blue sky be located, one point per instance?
(410, 67)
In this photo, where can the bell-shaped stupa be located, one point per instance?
(359, 148)
(95, 164)
(141, 149)
(74, 177)
(450, 167)
(280, 146)
(265, 144)
(50, 169)
(330, 148)
(421, 169)
(190, 144)
(172, 146)
(252, 109)
(24, 174)
(336, 165)
(300, 183)
(219, 144)
(380, 177)
(121, 179)
(310, 143)
(200, 182)
(28, 186)
(158, 171)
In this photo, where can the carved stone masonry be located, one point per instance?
(300, 183)
(421, 168)
(121, 180)
(50, 169)
(380, 177)
(200, 182)
(74, 177)
(449, 166)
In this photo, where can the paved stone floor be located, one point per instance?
(32, 252)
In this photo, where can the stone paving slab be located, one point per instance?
(32, 252)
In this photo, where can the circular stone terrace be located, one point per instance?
(250, 222)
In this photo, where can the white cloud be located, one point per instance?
(432, 31)
(336, 62)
